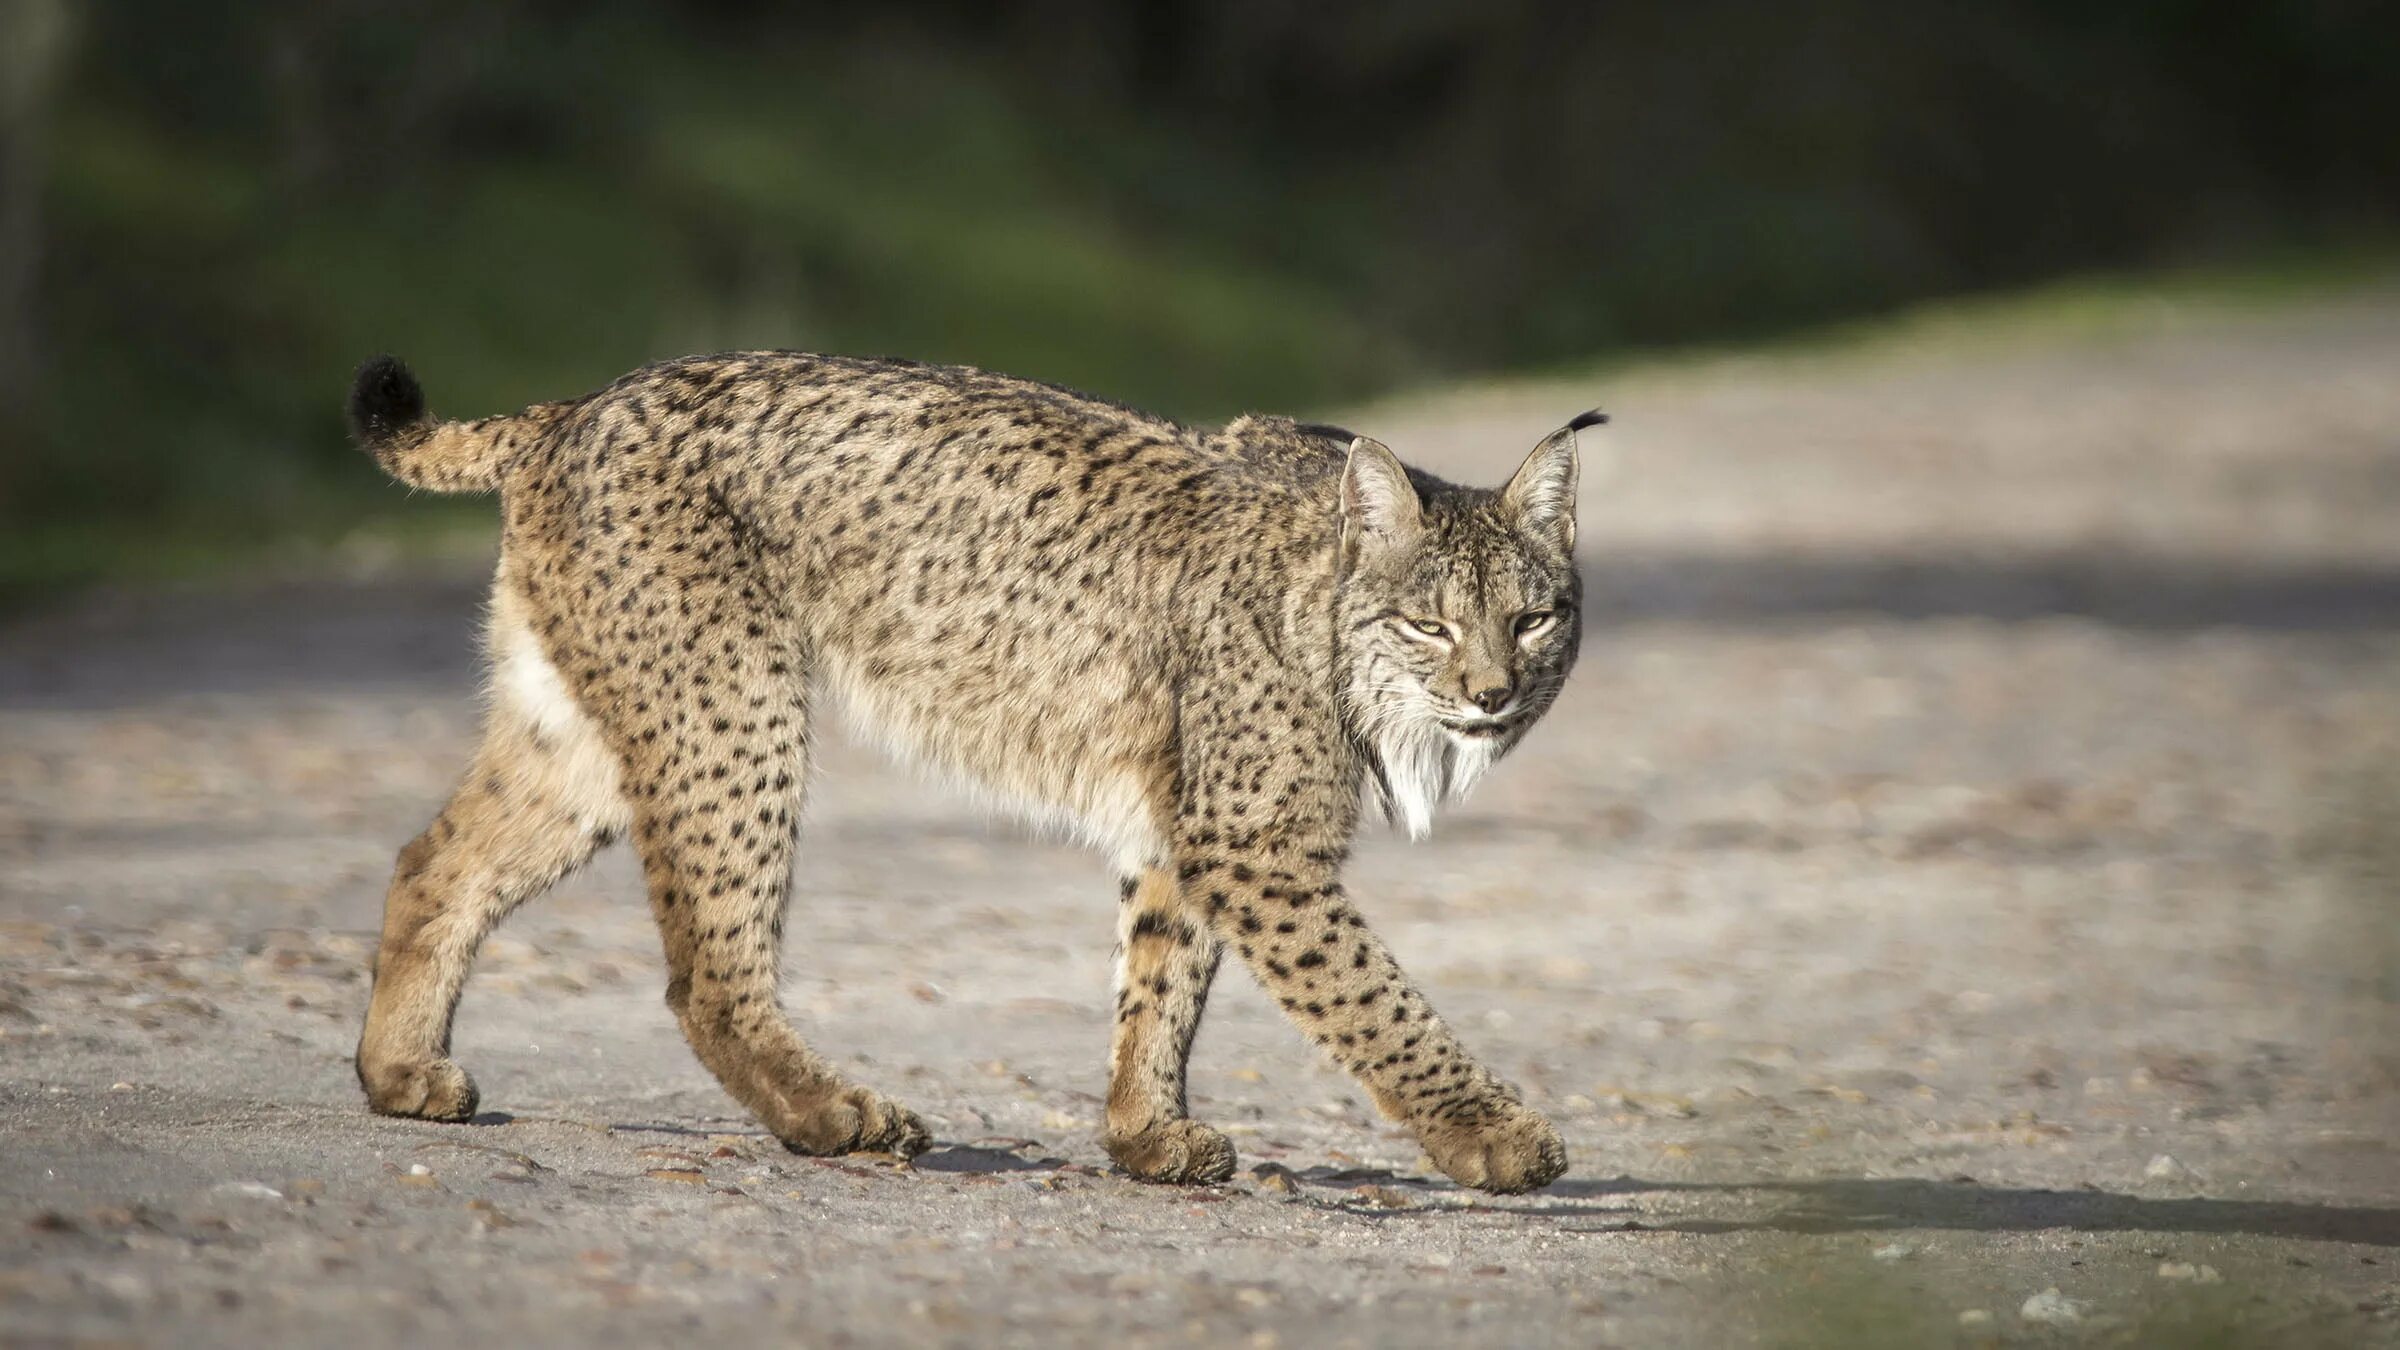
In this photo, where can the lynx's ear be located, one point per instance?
(1378, 501)
(1542, 495)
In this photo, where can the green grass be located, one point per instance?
(2108, 306)
(305, 512)
(1819, 1294)
(525, 204)
(44, 563)
(204, 314)
(2084, 310)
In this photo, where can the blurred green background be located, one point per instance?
(208, 214)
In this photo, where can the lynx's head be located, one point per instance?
(1458, 616)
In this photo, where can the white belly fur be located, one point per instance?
(527, 692)
(1103, 806)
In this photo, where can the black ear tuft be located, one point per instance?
(384, 399)
(1324, 431)
(1588, 419)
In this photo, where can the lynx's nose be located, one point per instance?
(1491, 698)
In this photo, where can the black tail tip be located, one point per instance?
(384, 400)
(1587, 419)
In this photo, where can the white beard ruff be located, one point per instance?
(1424, 766)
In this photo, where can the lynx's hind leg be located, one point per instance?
(539, 796)
(715, 751)
(1166, 960)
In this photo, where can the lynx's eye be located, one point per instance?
(1432, 628)
(1534, 621)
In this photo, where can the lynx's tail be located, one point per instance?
(388, 420)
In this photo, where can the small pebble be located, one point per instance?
(1275, 1178)
(419, 1170)
(1975, 1317)
(2185, 1270)
(490, 1215)
(2164, 1167)
(1893, 1251)
(2052, 1308)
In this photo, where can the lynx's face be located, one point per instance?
(1459, 618)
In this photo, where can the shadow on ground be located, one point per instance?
(1875, 1205)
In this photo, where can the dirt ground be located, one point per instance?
(1958, 901)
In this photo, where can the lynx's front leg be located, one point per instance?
(1261, 833)
(1166, 959)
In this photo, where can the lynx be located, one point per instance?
(1209, 653)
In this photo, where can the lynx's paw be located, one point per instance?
(1184, 1152)
(850, 1120)
(1512, 1149)
(433, 1090)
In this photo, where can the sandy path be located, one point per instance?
(1967, 863)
